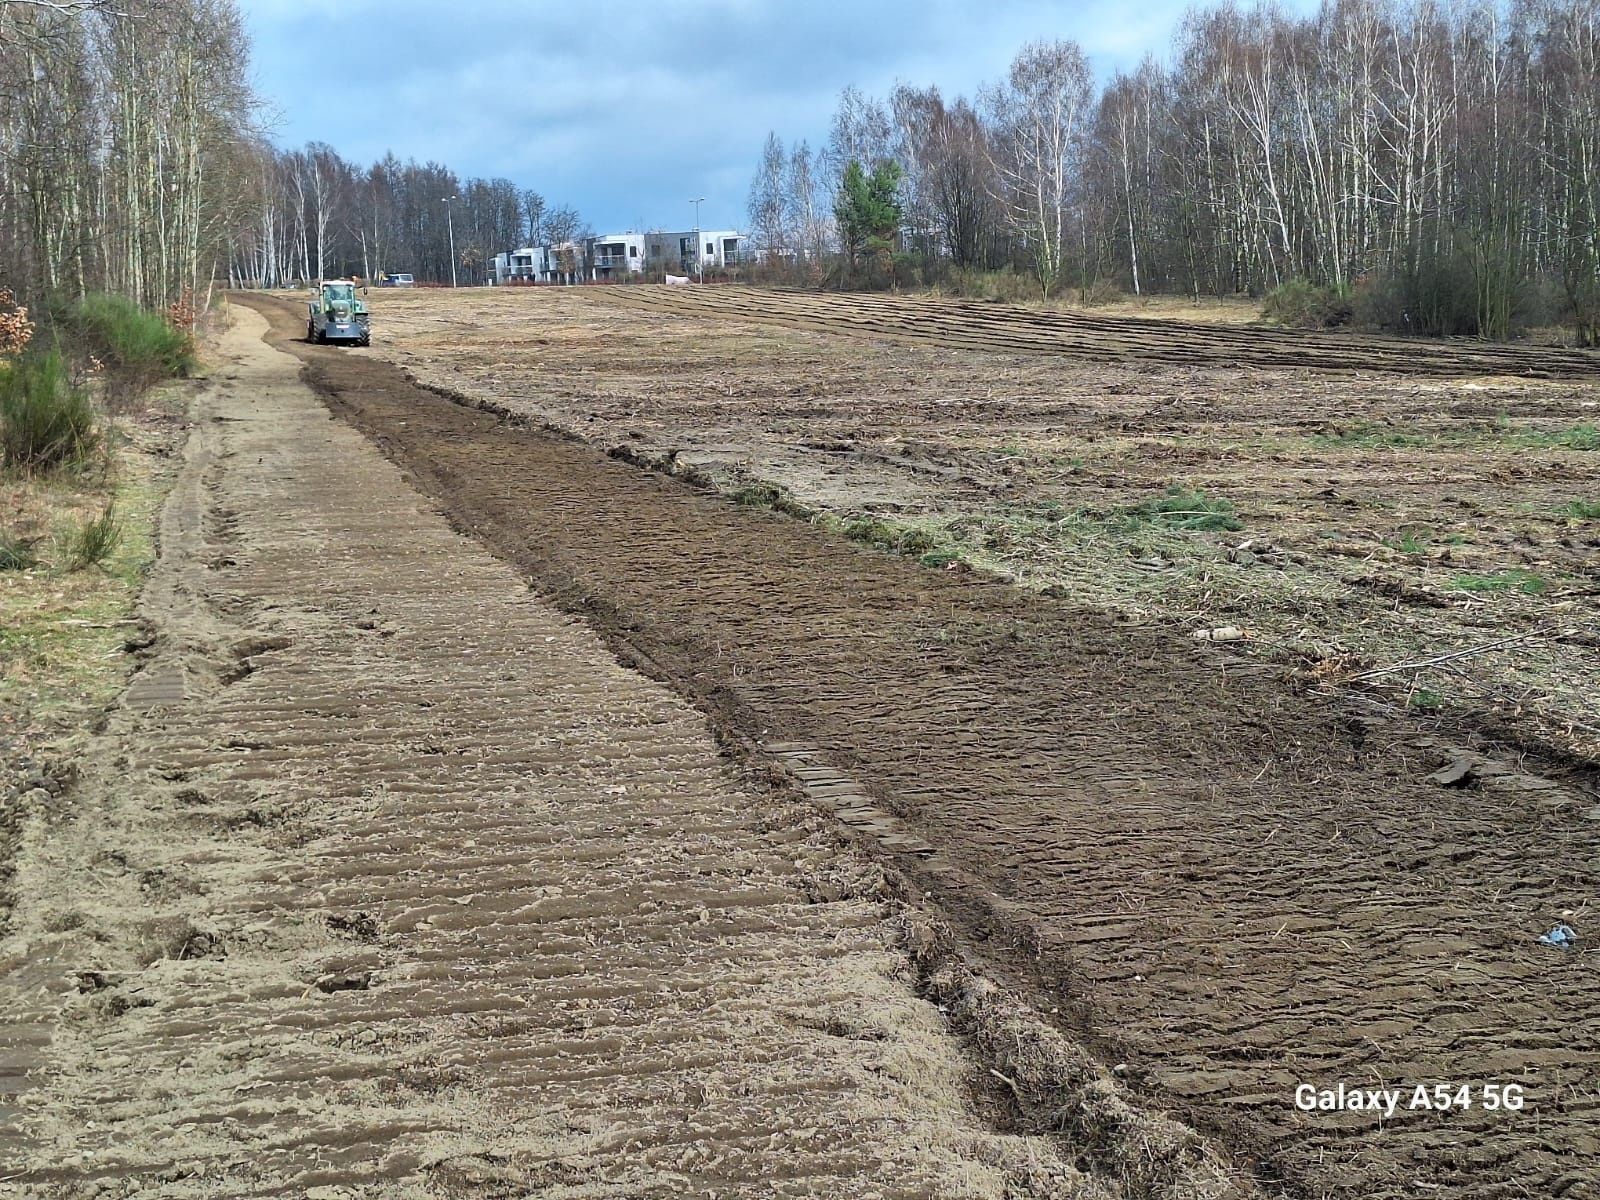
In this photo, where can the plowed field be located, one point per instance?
(1223, 879)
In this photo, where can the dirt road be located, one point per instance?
(387, 879)
(1226, 886)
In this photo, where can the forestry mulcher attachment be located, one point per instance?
(339, 315)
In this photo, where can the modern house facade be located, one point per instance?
(679, 252)
(615, 256)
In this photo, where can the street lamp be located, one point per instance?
(699, 257)
(450, 221)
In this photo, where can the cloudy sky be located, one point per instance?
(627, 109)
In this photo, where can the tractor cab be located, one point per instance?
(337, 314)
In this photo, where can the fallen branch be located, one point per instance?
(1420, 664)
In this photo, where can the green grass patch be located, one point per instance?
(46, 420)
(1583, 510)
(1181, 508)
(1579, 437)
(1412, 542)
(1515, 579)
(1425, 700)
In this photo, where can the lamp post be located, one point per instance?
(699, 256)
(450, 222)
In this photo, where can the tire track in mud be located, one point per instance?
(1225, 886)
(387, 879)
(970, 325)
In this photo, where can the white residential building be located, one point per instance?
(717, 248)
(615, 255)
(530, 264)
(619, 255)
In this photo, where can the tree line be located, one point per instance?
(134, 161)
(120, 144)
(1437, 165)
(313, 215)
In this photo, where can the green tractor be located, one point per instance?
(339, 315)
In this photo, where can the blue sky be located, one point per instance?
(627, 110)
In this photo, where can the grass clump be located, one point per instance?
(1502, 581)
(1181, 508)
(46, 420)
(16, 553)
(758, 495)
(1579, 437)
(95, 540)
(1369, 437)
(763, 494)
(140, 346)
(1583, 510)
(885, 535)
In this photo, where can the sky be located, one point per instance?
(625, 109)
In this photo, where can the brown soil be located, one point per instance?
(387, 879)
(1225, 884)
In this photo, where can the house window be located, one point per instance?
(711, 248)
(633, 252)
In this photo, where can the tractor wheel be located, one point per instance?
(311, 331)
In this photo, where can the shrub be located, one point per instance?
(46, 421)
(139, 346)
(1301, 304)
(95, 541)
(1181, 508)
(1098, 292)
(1445, 294)
(1004, 285)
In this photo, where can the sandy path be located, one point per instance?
(388, 880)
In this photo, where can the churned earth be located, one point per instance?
(1219, 879)
(387, 878)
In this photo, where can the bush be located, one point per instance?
(139, 346)
(1004, 286)
(46, 421)
(1100, 291)
(95, 541)
(1301, 304)
(1451, 293)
